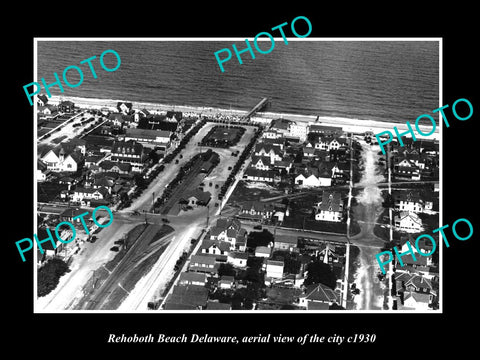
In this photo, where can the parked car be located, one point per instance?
(93, 239)
(257, 227)
(114, 248)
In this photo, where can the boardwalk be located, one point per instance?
(257, 107)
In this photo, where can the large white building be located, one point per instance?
(408, 222)
(58, 160)
(299, 131)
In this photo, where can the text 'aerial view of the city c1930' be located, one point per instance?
(261, 187)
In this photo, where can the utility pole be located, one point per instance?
(208, 214)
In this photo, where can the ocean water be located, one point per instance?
(378, 80)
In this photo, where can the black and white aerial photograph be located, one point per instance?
(262, 188)
(220, 186)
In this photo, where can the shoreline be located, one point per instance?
(348, 124)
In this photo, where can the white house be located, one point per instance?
(226, 282)
(274, 152)
(202, 263)
(192, 278)
(237, 259)
(274, 269)
(58, 160)
(215, 247)
(330, 208)
(229, 230)
(261, 162)
(408, 222)
(336, 143)
(263, 251)
(416, 301)
(81, 194)
(312, 177)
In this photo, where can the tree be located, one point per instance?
(139, 181)
(259, 238)
(320, 273)
(49, 275)
(153, 155)
(226, 269)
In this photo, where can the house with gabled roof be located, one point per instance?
(216, 247)
(314, 177)
(415, 301)
(83, 195)
(192, 278)
(281, 126)
(256, 210)
(272, 151)
(408, 221)
(327, 253)
(407, 172)
(229, 230)
(203, 263)
(196, 197)
(237, 258)
(59, 159)
(128, 152)
(261, 162)
(330, 208)
(252, 174)
(409, 201)
(278, 142)
(187, 297)
(226, 282)
(318, 293)
(117, 167)
(287, 243)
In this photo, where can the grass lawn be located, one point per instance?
(244, 193)
(48, 191)
(59, 139)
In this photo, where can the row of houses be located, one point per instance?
(323, 156)
(226, 244)
(300, 130)
(417, 282)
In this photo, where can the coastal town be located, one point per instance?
(230, 211)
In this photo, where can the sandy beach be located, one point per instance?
(348, 125)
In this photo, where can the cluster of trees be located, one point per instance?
(49, 275)
(228, 121)
(182, 172)
(210, 140)
(259, 238)
(243, 298)
(320, 273)
(142, 184)
(238, 164)
(290, 260)
(183, 142)
(181, 260)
